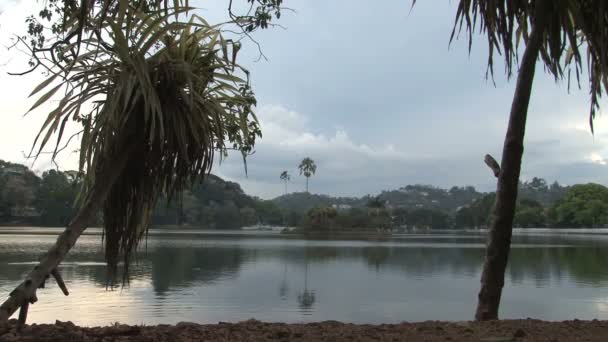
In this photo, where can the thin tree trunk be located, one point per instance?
(499, 238)
(306, 184)
(26, 291)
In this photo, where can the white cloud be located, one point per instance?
(287, 129)
(345, 166)
(597, 158)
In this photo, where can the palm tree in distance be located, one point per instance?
(285, 177)
(555, 32)
(307, 168)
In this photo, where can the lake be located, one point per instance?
(207, 277)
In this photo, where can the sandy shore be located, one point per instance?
(496, 331)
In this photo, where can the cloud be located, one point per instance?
(345, 166)
(377, 106)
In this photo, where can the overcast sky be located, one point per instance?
(374, 95)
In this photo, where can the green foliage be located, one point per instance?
(537, 189)
(427, 196)
(583, 205)
(143, 83)
(212, 204)
(427, 218)
(529, 214)
(477, 214)
(330, 220)
(302, 202)
(218, 204)
(55, 198)
(269, 213)
(262, 16)
(307, 168)
(321, 219)
(375, 202)
(285, 177)
(17, 185)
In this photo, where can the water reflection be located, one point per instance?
(233, 278)
(173, 267)
(306, 299)
(284, 286)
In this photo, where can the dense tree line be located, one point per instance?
(26, 198)
(427, 207)
(48, 200)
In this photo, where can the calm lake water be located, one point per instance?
(207, 278)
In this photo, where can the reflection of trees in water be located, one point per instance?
(180, 267)
(167, 266)
(422, 261)
(582, 264)
(412, 261)
(306, 299)
(284, 286)
(583, 260)
(376, 256)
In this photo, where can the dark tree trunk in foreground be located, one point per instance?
(499, 237)
(25, 293)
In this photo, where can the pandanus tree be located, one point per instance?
(156, 99)
(307, 168)
(285, 177)
(557, 32)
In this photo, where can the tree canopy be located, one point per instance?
(583, 205)
(147, 79)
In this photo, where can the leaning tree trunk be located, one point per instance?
(25, 293)
(499, 238)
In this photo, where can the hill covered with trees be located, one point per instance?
(48, 200)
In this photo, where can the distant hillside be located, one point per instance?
(27, 199)
(420, 197)
(408, 197)
(430, 197)
(217, 204)
(301, 202)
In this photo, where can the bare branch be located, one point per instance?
(492, 164)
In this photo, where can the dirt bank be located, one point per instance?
(508, 330)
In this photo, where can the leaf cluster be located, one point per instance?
(167, 93)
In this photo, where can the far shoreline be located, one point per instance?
(278, 232)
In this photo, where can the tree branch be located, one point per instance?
(492, 164)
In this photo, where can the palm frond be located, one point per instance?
(163, 87)
(575, 27)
